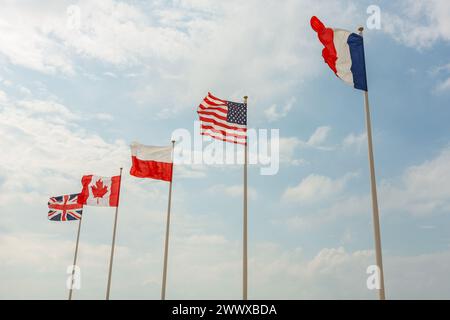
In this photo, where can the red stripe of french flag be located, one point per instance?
(151, 162)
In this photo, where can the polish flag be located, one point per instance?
(100, 191)
(151, 162)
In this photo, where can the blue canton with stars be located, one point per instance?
(237, 113)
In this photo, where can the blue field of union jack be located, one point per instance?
(64, 208)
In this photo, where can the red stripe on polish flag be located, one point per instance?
(151, 169)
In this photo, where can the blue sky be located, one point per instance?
(76, 90)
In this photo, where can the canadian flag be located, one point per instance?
(100, 191)
(151, 162)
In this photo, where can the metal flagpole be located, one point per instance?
(373, 184)
(245, 255)
(108, 289)
(75, 257)
(166, 244)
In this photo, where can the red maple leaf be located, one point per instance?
(99, 190)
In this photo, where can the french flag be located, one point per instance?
(344, 53)
(151, 162)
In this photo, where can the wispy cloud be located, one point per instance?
(275, 113)
(316, 188)
(420, 23)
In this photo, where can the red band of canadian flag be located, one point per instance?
(151, 162)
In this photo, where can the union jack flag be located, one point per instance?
(64, 208)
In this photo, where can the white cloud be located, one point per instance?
(290, 145)
(442, 73)
(443, 86)
(211, 269)
(120, 33)
(343, 206)
(318, 137)
(331, 273)
(354, 141)
(233, 191)
(111, 74)
(421, 190)
(40, 37)
(25, 42)
(102, 116)
(179, 48)
(443, 68)
(315, 188)
(274, 113)
(3, 97)
(51, 108)
(25, 249)
(421, 23)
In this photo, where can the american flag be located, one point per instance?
(223, 120)
(64, 208)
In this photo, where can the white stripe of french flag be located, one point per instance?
(151, 162)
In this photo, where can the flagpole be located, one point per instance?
(75, 257)
(245, 233)
(166, 243)
(373, 184)
(108, 289)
